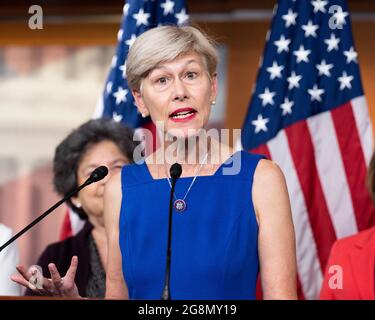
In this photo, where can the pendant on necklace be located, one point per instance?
(179, 205)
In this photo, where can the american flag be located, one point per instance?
(117, 101)
(308, 113)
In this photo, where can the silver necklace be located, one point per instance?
(180, 204)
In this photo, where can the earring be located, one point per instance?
(78, 205)
(213, 102)
(143, 115)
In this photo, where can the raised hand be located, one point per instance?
(56, 286)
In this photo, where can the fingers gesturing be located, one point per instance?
(55, 286)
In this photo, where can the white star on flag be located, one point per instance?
(319, 5)
(114, 61)
(275, 70)
(351, 55)
(294, 80)
(332, 43)
(168, 7)
(340, 16)
(120, 95)
(131, 41)
(302, 54)
(260, 124)
(123, 69)
(282, 44)
(125, 9)
(108, 87)
(141, 17)
(345, 81)
(316, 93)
(290, 18)
(267, 97)
(324, 68)
(117, 117)
(182, 17)
(287, 106)
(119, 34)
(310, 29)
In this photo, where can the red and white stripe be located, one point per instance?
(325, 160)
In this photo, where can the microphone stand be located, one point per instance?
(166, 295)
(93, 178)
(175, 174)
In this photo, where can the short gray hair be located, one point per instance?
(166, 43)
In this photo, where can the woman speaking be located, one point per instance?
(228, 225)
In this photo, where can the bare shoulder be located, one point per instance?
(270, 193)
(268, 171)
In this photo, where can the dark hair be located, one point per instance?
(70, 151)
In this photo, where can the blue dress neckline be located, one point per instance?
(148, 173)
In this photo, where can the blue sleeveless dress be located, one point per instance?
(214, 241)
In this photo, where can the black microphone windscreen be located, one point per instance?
(98, 174)
(175, 171)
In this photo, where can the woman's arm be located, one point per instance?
(276, 240)
(115, 284)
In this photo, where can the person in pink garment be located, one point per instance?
(351, 265)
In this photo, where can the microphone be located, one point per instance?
(98, 174)
(175, 172)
